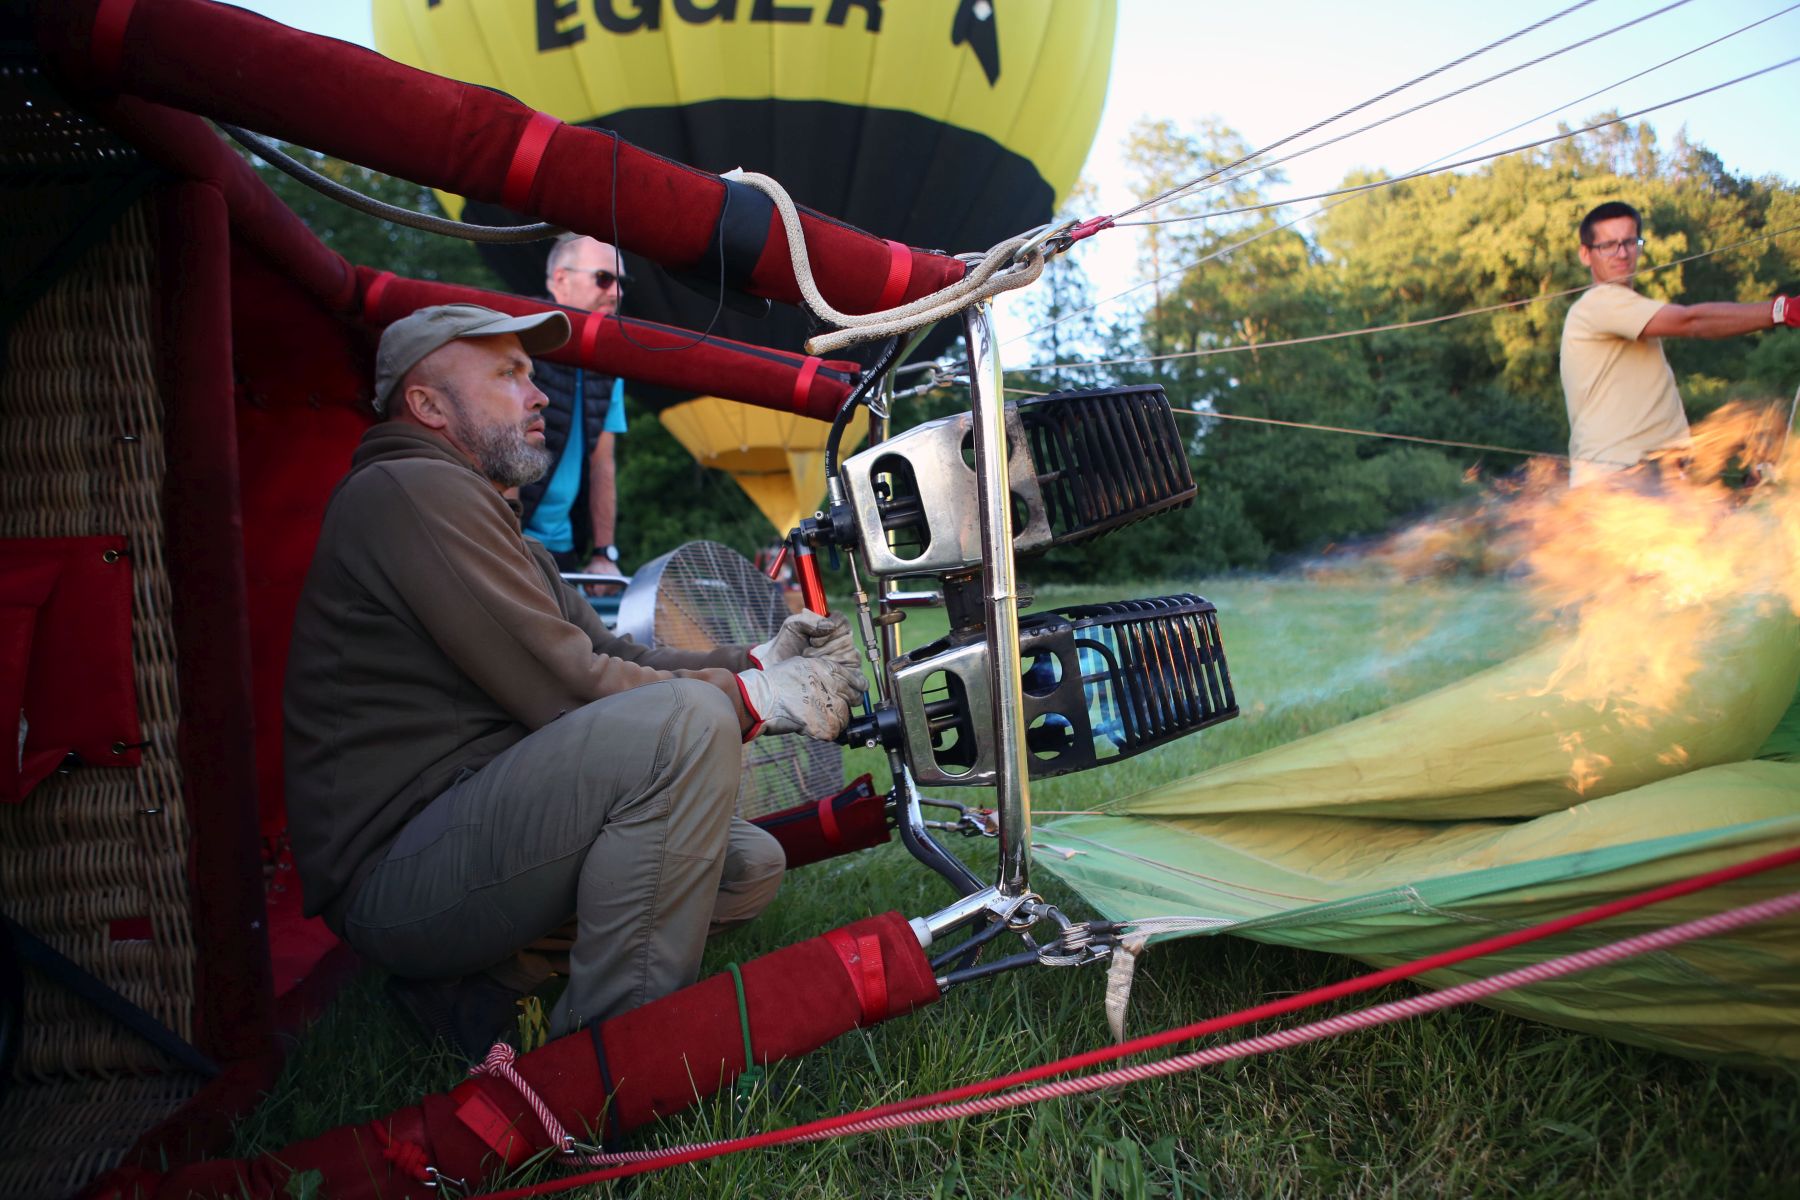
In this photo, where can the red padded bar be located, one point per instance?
(642, 350)
(353, 103)
(662, 1057)
(188, 146)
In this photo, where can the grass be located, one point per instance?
(1467, 1102)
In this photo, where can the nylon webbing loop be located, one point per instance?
(483, 1118)
(862, 961)
(528, 155)
(590, 333)
(372, 297)
(803, 382)
(106, 47)
(900, 267)
(828, 824)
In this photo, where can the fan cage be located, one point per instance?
(703, 595)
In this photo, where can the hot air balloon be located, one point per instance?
(941, 123)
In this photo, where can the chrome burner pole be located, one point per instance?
(1012, 784)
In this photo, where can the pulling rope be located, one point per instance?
(1424, 104)
(989, 275)
(1181, 189)
(1239, 347)
(946, 1104)
(1466, 162)
(1227, 250)
(1372, 433)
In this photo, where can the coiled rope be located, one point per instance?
(989, 275)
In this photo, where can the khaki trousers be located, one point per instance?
(620, 812)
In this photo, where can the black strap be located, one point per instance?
(610, 1135)
(43, 957)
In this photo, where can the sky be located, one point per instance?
(1269, 70)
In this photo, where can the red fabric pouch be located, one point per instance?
(65, 666)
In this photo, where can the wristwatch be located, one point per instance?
(609, 552)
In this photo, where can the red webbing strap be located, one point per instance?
(803, 382)
(485, 1120)
(590, 333)
(862, 961)
(527, 157)
(107, 45)
(377, 285)
(828, 823)
(900, 265)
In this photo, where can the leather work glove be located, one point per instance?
(799, 695)
(808, 634)
(1786, 311)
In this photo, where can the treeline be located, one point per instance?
(1416, 250)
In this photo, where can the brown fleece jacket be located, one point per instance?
(430, 636)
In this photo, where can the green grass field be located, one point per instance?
(1468, 1102)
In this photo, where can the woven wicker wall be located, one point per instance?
(81, 453)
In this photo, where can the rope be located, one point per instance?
(989, 276)
(1389, 328)
(1398, 437)
(270, 153)
(638, 1162)
(1424, 104)
(1466, 162)
(1509, 129)
(1173, 192)
(1227, 250)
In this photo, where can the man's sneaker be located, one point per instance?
(469, 1014)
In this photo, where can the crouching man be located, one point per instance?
(472, 757)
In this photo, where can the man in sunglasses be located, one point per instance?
(1623, 404)
(573, 510)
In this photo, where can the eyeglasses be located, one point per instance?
(1616, 247)
(602, 279)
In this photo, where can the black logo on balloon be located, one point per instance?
(976, 24)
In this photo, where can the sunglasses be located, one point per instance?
(607, 279)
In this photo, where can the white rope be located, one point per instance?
(989, 275)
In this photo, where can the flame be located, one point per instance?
(1645, 568)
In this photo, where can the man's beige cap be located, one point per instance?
(406, 342)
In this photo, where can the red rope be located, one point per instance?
(815, 1130)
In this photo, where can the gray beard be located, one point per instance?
(501, 451)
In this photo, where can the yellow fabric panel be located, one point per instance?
(1055, 57)
(777, 458)
(1500, 745)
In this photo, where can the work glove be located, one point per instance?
(1787, 311)
(799, 695)
(810, 635)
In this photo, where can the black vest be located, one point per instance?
(557, 382)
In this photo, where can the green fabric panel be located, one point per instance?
(1504, 743)
(1388, 891)
(1784, 741)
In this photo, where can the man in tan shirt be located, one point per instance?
(1621, 394)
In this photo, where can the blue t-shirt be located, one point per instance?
(550, 522)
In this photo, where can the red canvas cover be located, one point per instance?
(350, 102)
(854, 819)
(77, 689)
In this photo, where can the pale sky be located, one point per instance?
(1270, 69)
